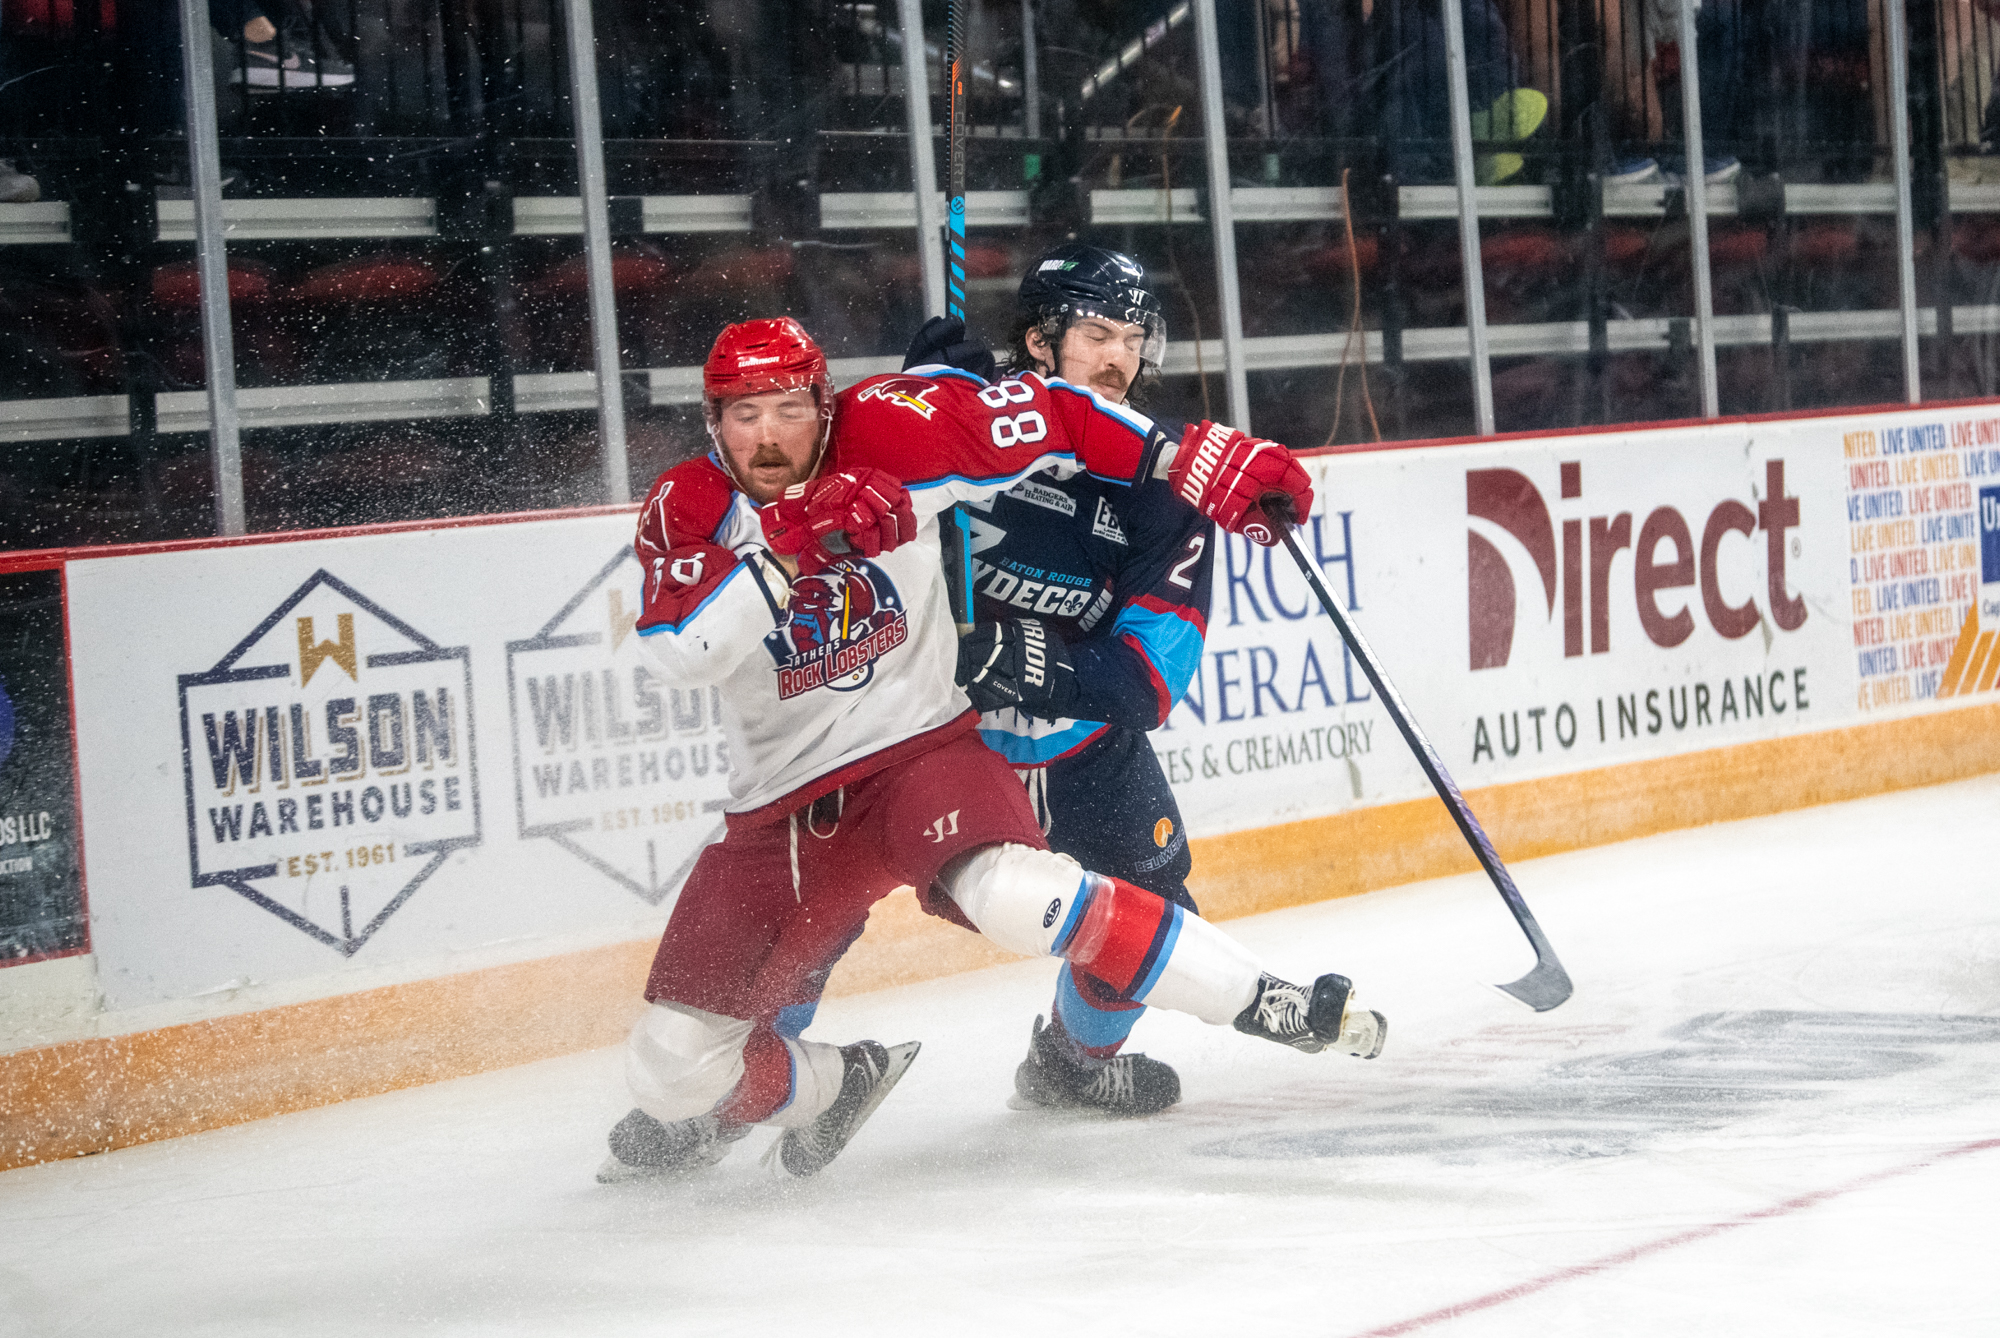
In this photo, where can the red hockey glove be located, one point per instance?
(859, 510)
(1223, 474)
(679, 580)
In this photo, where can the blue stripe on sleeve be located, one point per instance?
(1130, 418)
(710, 598)
(1004, 481)
(1024, 750)
(1077, 905)
(1172, 643)
(1173, 934)
(938, 371)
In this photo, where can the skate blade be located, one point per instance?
(615, 1172)
(900, 1059)
(1381, 1034)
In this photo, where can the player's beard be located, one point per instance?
(769, 454)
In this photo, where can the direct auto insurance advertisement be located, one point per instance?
(1560, 604)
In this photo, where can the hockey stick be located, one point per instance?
(1548, 984)
(955, 536)
(954, 158)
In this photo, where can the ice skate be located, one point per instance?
(1313, 1020)
(1056, 1076)
(871, 1070)
(642, 1148)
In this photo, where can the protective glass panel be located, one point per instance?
(409, 287)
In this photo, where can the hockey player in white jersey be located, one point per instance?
(797, 568)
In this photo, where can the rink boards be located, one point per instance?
(358, 810)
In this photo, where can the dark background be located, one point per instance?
(41, 911)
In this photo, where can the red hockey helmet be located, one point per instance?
(759, 357)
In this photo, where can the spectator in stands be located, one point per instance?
(273, 46)
(1722, 44)
(1968, 59)
(291, 58)
(17, 187)
(1380, 72)
(1826, 61)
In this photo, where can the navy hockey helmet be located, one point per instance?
(1076, 279)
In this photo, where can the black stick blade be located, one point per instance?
(1542, 988)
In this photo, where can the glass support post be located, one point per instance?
(225, 438)
(1906, 223)
(1031, 71)
(1221, 217)
(1695, 174)
(923, 157)
(1468, 216)
(589, 129)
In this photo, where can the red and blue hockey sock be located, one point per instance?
(786, 1081)
(1091, 1013)
(1147, 950)
(1143, 948)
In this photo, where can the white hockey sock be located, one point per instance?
(1206, 973)
(681, 1062)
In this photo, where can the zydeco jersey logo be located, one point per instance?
(329, 763)
(623, 772)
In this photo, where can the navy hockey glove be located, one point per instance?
(943, 339)
(1018, 663)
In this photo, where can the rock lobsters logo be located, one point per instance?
(841, 621)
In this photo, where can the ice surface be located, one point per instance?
(1760, 1114)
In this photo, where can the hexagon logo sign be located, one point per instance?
(329, 763)
(621, 770)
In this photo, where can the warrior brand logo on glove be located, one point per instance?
(1034, 653)
(1227, 475)
(1201, 468)
(1049, 916)
(841, 620)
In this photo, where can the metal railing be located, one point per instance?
(1181, 128)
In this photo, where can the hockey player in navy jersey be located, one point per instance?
(1109, 586)
(797, 569)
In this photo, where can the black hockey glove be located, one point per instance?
(943, 339)
(1018, 663)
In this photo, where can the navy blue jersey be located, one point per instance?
(1120, 574)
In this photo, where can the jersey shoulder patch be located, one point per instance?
(1035, 492)
(1104, 523)
(686, 506)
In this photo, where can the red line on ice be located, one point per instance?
(1610, 1261)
